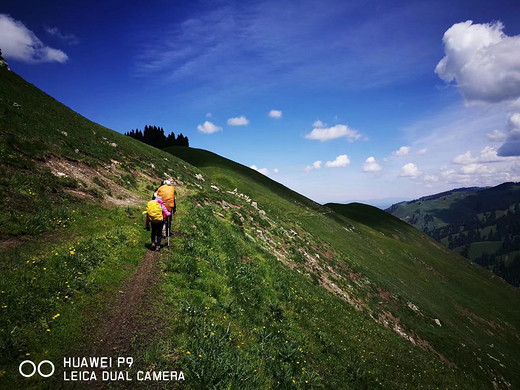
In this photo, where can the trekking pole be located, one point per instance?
(168, 224)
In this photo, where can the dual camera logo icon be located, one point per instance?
(45, 368)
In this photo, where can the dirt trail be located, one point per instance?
(124, 317)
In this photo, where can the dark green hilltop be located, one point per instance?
(261, 288)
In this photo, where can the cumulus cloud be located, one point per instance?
(472, 169)
(208, 115)
(276, 114)
(319, 123)
(371, 165)
(20, 43)
(208, 128)
(263, 171)
(431, 178)
(71, 39)
(496, 136)
(338, 131)
(490, 154)
(487, 155)
(315, 165)
(238, 121)
(403, 151)
(465, 158)
(482, 60)
(422, 151)
(276, 170)
(410, 170)
(340, 161)
(511, 146)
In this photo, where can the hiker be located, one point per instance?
(156, 213)
(167, 192)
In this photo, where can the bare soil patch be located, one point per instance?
(113, 193)
(123, 318)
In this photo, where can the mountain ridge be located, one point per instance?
(479, 223)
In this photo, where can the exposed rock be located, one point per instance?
(239, 217)
(413, 307)
(215, 188)
(3, 63)
(199, 177)
(437, 322)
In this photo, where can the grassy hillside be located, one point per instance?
(481, 224)
(71, 229)
(260, 289)
(391, 272)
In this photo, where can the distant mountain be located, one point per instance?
(482, 224)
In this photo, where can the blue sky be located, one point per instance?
(341, 101)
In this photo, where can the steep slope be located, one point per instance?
(394, 274)
(481, 224)
(260, 289)
(71, 193)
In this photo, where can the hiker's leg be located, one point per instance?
(152, 234)
(156, 232)
(159, 232)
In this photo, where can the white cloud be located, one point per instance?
(431, 178)
(319, 124)
(487, 155)
(403, 151)
(410, 170)
(482, 60)
(315, 165)
(340, 161)
(208, 115)
(496, 136)
(208, 128)
(238, 121)
(338, 131)
(471, 169)
(71, 39)
(20, 43)
(465, 159)
(263, 171)
(371, 165)
(422, 151)
(276, 170)
(276, 114)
